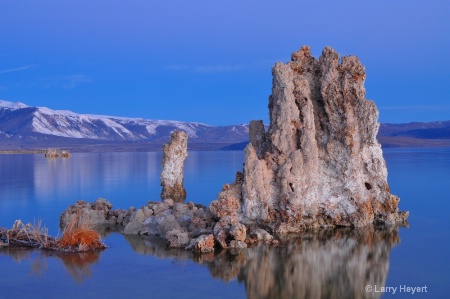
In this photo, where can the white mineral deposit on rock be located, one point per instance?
(319, 164)
(172, 179)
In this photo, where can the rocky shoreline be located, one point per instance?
(187, 226)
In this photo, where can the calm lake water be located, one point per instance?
(365, 263)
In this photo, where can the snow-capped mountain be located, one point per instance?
(26, 127)
(18, 120)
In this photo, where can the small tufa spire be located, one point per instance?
(172, 176)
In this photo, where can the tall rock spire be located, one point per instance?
(172, 175)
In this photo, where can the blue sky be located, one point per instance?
(210, 61)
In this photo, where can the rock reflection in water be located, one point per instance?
(155, 246)
(78, 265)
(335, 263)
(17, 254)
(323, 264)
(331, 264)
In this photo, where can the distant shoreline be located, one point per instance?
(22, 152)
(386, 143)
(28, 148)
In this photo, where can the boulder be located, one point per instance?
(234, 244)
(94, 214)
(182, 214)
(229, 200)
(221, 238)
(238, 231)
(204, 243)
(160, 225)
(177, 238)
(261, 235)
(136, 222)
(147, 212)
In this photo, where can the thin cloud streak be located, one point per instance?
(206, 68)
(219, 68)
(74, 80)
(177, 67)
(18, 69)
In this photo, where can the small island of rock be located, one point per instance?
(319, 165)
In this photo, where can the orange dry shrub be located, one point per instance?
(79, 240)
(79, 237)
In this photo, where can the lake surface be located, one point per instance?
(327, 264)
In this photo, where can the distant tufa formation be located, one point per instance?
(56, 153)
(319, 164)
(172, 175)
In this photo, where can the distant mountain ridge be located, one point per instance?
(27, 127)
(428, 130)
(20, 121)
(415, 134)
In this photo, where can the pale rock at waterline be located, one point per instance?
(177, 238)
(261, 235)
(238, 231)
(319, 164)
(234, 244)
(202, 244)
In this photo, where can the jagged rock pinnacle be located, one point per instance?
(319, 164)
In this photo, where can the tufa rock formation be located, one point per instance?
(174, 154)
(319, 164)
(56, 153)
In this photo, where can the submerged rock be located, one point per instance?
(172, 177)
(319, 164)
